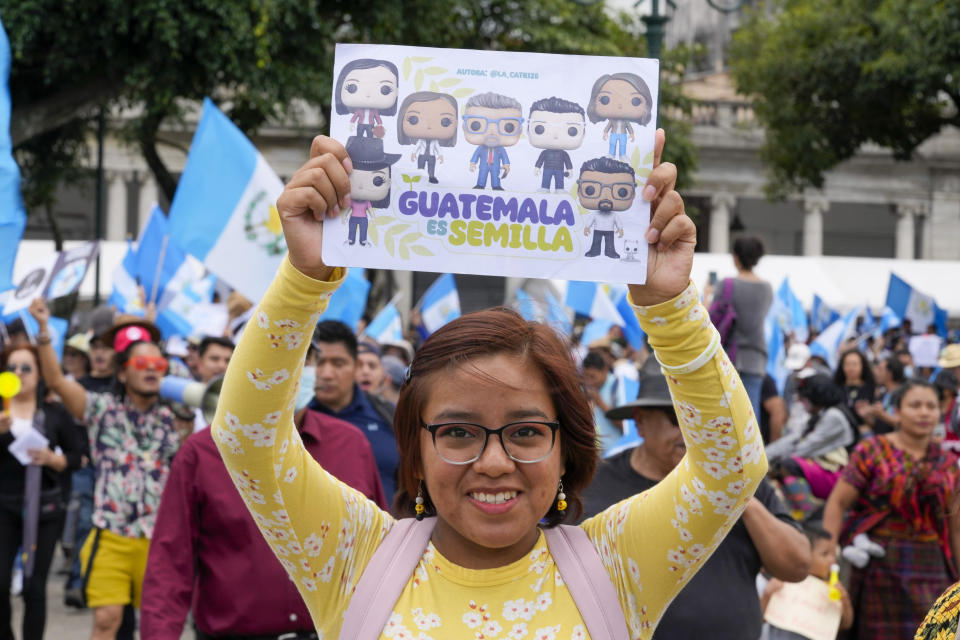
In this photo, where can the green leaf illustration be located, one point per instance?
(421, 251)
(462, 93)
(410, 237)
(449, 82)
(418, 79)
(388, 243)
(404, 252)
(422, 58)
(434, 86)
(414, 179)
(644, 172)
(373, 233)
(648, 159)
(406, 178)
(395, 230)
(407, 67)
(435, 71)
(635, 158)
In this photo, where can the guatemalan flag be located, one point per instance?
(387, 326)
(590, 299)
(828, 343)
(917, 307)
(224, 210)
(125, 297)
(440, 304)
(821, 316)
(13, 218)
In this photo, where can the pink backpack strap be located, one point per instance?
(384, 578)
(580, 567)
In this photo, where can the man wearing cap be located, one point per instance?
(133, 439)
(721, 601)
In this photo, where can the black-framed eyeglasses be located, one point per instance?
(22, 368)
(463, 442)
(619, 190)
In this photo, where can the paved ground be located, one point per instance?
(63, 622)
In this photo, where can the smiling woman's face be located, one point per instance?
(488, 510)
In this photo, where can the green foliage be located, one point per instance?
(827, 76)
(256, 59)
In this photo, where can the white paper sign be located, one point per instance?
(925, 350)
(805, 608)
(496, 163)
(29, 439)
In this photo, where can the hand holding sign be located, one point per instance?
(672, 235)
(318, 190)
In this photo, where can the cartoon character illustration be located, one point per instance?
(491, 121)
(605, 186)
(368, 89)
(620, 98)
(554, 126)
(428, 119)
(631, 251)
(369, 183)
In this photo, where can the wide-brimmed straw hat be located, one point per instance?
(654, 392)
(950, 356)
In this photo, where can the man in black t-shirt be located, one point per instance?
(721, 601)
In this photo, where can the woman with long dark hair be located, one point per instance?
(900, 489)
(496, 443)
(32, 499)
(855, 376)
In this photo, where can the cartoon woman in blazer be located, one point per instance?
(369, 183)
(620, 98)
(368, 89)
(429, 120)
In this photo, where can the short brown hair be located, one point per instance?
(491, 332)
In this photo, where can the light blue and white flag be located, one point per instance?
(161, 263)
(631, 326)
(224, 210)
(827, 345)
(527, 307)
(790, 313)
(440, 304)
(186, 299)
(773, 330)
(917, 307)
(626, 391)
(591, 299)
(348, 303)
(821, 316)
(125, 297)
(387, 326)
(597, 329)
(888, 320)
(13, 218)
(558, 315)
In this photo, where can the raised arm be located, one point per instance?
(322, 531)
(73, 395)
(653, 543)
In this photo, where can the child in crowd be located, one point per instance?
(823, 557)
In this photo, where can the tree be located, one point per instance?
(827, 76)
(255, 58)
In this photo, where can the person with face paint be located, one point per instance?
(492, 122)
(429, 120)
(133, 438)
(367, 89)
(496, 442)
(369, 183)
(206, 549)
(605, 187)
(555, 126)
(620, 98)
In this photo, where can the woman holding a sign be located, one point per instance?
(39, 443)
(496, 442)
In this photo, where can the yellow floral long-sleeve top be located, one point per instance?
(324, 532)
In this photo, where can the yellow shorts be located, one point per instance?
(113, 568)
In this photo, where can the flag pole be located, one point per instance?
(156, 274)
(3, 332)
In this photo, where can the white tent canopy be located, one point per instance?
(842, 283)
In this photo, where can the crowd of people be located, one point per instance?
(262, 522)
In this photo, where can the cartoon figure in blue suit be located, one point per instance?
(492, 122)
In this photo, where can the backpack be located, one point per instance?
(723, 315)
(397, 556)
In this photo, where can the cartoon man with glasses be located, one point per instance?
(492, 121)
(605, 187)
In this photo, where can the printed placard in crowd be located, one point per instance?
(496, 163)
(55, 276)
(805, 608)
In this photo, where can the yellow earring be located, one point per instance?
(561, 498)
(418, 507)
